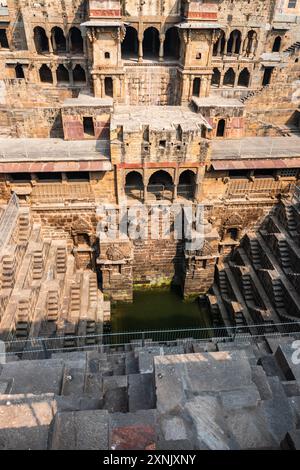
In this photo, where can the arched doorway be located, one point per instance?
(277, 44)
(45, 74)
(251, 42)
(186, 185)
(151, 43)
(40, 40)
(229, 77)
(62, 74)
(76, 41)
(216, 78)
(244, 78)
(161, 185)
(58, 40)
(130, 45)
(234, 42)
(134, 186)
(219, 45)
(19, 71)
(172, 44)
(221, 128)
(268, 72)
(79, 74)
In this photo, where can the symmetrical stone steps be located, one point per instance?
(293, 47)
(64, 301)
(260, 282)
(61, 259)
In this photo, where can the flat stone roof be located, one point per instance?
(157, 117)
(87, 100)
(254, 153)
(103, 23)
(217, 101)
(256, 148)
(18, 155)
(198, 25)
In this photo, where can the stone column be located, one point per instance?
(122, 91)
(145, 181)
(115, 91)
(236, 79)
(176, 182)
(222, 77)
(53, 70)
(161, 47)
(191, 84)
(71, 76)
(141, 52)
(234, 43)
(50, 43)
(102, 88)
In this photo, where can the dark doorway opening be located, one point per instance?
(45, 74)
(216, 77)
(109, 89)
(244, 78)
(19, 71)
(58, 40)
(79, 74)
(151, 43)
(62, 74)
(40, 40)
(277, 44)
(76, 41)
(88, 126)
(3, 39)
(130, 45)
(172, 44)
(196, 86)
(267, 76)
(221, 128)
(229, 77)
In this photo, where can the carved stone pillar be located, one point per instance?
(141, 52)
(161, 47)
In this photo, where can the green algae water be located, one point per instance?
(158, 309)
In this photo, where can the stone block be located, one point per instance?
(34, 377)
(25, 421)
(141, 392)
(133, 431)
(182, 376)
(246, 397)
(80, 430)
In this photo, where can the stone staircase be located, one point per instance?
(61, 260)
(284, 254)
(59, 299)
(293, 47)
(263, 273)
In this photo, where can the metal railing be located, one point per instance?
(135, 192)
(161, 191)
(186, 191)
(115, 342)
(258, 188)
(8, 220)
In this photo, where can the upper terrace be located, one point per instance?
(51, 155)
